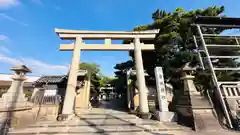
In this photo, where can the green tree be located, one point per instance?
(174, 46)
(105, 80)
(94, 70)
(97, 78)
(120, 81)
(121, 68)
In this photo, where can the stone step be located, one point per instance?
(85, 123)
(106, 117)
(75, 121)
(206, 122)
(101, 113)
(90, 129)
(210, 121)
(96, 126)
(73, 128)
(93, 122)
(108, 133)
(97, 110)
(79, 129)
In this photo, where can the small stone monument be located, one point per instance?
(14, 98)
(163, 114)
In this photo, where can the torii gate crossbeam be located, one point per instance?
(79, 36)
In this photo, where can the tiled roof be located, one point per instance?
(51, 79)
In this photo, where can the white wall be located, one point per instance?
(8, 77)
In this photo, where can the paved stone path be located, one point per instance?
(106, 121)
(98, 121)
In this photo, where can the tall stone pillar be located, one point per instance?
(68, 104)
(161, 91)
(163, 113)
(140, 78)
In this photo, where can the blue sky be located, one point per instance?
(27, 28)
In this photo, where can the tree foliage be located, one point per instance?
(94, 70)
(97, 78)
(174, 45)
(120, 81)
(106, 81)
(121, 68)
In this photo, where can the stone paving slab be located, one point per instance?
(104, 123)
(106, 133)
(109, 116)
(140, 133)
(75, 125)
(101, 122)
(97, 129)
(91, 129)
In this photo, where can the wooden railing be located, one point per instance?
(231, 91)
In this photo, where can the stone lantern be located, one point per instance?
(183, 101)
(188, 80)
(193, 108)
(14, 98)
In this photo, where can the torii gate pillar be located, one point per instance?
(68, 105)
(79, 36)
(144, 110)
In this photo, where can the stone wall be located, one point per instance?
(46, 112)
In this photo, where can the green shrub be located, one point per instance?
(28, 94)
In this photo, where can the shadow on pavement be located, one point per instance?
(122, 125)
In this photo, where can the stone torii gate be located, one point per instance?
(80, 35)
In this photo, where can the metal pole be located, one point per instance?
(214, 77)
(199, 54)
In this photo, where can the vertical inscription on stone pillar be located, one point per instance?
(161, 91)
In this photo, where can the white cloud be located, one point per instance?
(9, 60)
(4, 16)
(8, 3)
(44, 68)
(4, 50)
(38, 67)
(3, 38)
